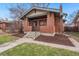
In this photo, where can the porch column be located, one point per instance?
(25, 24)
(61, 26)
(51, 22)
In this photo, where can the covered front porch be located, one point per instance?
(37, 22)
(42, 21)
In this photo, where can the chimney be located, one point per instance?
(60, 8)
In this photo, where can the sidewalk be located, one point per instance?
(9, 45)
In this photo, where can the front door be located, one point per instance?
(35, 25)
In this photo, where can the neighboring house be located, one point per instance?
(13, 26)
(76, 22)
(70, 27)
(3, 26)
(9, 26)
(43, 20)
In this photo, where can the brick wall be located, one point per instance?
(26, 26)
(53, 24)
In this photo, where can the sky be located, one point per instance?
(68, 8)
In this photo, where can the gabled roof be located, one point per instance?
(44, 9)
(3, 22)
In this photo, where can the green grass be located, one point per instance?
(5, 38)
(76, 34)
(29, 49)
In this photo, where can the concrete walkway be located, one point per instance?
(12, 44)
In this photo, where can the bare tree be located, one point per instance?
(72, 16)
(17, 10)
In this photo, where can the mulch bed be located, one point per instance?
(57, 39)
(18, 35)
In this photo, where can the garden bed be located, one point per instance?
(57, 39)
(18, 34)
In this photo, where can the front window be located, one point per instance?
(43, 22)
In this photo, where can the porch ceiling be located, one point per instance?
(36, 15)
(32, 16)
(42, 9)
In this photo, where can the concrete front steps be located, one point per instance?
(32, 35)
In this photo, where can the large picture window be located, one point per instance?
(43, 22)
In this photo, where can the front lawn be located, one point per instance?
(28, 49)
(6, 38)
(74, 34)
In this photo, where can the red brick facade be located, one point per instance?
(54, 24)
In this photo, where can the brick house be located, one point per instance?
(3, 26)
(13, 26)
(43, 20)
(9, 26)
(76, 22)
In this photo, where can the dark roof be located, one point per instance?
(45, 9)
(3, 22)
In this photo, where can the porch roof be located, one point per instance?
(3, 22)
(44, 9)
